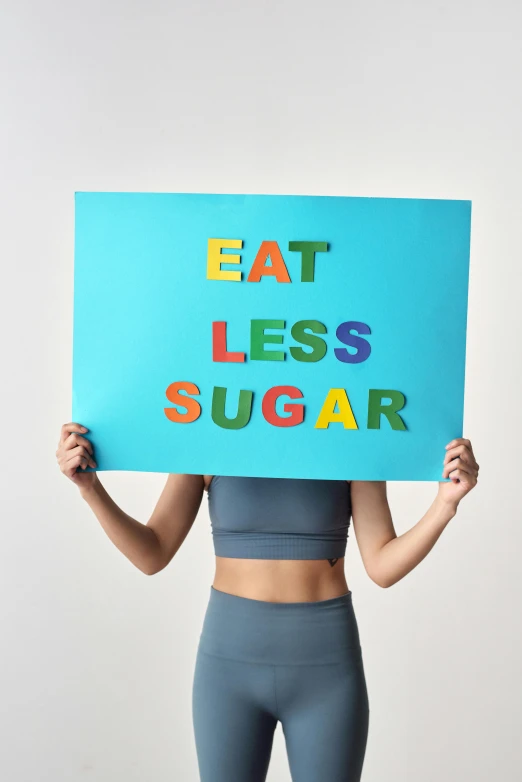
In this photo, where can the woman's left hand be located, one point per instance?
(461, 466)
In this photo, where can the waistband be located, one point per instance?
(296, 633)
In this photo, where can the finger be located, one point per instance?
(72, 441)
(71, 466)
(459, 441)
(458, 464)
(70, 427)
(463, 477)
(78, 451)
(463, 452)
(457, 451)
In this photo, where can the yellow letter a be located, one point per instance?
(344, 415)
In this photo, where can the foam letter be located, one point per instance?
(317, 344)
(344, 415)
(375, 408)
(258, 338)
(244, 409)
(215, 258)
(363, 347)
(277, 269)
(219, 344)
(269, 402)
(193, 407)
(308, 250)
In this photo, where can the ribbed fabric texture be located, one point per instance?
(279, 518)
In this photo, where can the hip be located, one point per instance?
(281, 633)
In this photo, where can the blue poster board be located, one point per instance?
(309, 336)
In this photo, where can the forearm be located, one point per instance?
(135, 540)
(403, 553)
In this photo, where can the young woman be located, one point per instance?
(279, 639)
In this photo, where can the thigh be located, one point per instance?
(325, 717)
(233, 722)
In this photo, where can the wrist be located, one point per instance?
(447, 507)
(87, 493)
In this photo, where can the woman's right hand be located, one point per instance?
(75, 451)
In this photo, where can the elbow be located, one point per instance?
(384, 583)
(155, 560)
(152, 567)
(384, 580)
(380, 572)
(150, 571)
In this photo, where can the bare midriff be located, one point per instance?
(280, 581)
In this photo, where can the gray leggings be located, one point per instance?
(298, 663)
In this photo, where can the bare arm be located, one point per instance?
(151, 546)
(387, 557)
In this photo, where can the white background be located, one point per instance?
(342, 98)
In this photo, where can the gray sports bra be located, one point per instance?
(279, 518)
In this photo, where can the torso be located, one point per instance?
(279, 580)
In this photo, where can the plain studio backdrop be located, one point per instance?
(402, 99)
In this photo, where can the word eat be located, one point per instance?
(259, 268)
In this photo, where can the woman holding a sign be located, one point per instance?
(280, 639)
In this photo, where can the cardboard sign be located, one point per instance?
(270, 336)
